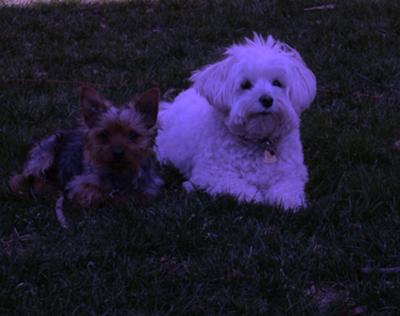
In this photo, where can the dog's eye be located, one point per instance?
(103, 135)
(246, 85)
(277, 83)
(132, 135)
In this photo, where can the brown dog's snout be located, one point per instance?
(118, 154)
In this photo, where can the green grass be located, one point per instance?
(190, 254)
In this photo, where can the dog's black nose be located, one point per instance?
(118, 154)
(266, 101)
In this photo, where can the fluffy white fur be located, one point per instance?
(215, 132)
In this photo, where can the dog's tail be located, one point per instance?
(60, 211)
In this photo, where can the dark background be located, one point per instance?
(188, 254)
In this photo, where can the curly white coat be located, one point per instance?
(215, 132)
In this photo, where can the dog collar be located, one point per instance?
(269, 145)
(270, 152)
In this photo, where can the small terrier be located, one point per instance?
(109, 157)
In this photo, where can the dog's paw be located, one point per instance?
(294, 204)
(88, 198)
(289, 201)
(86, 195)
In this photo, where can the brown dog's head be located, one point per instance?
(118, 138)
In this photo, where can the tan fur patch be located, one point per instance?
(18, 183)
(22, 183)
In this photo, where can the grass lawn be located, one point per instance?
(188, 254)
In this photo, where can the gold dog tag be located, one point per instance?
(269, 157)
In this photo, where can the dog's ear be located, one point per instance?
(93, 105)
(302, 85)
(213, 83)
(147, 105)
(302, 82)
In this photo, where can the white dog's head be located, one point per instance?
(261, 87)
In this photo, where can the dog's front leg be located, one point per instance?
(86, 190)
(228, 183)
(287, 193)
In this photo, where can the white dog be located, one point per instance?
(236, 131)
